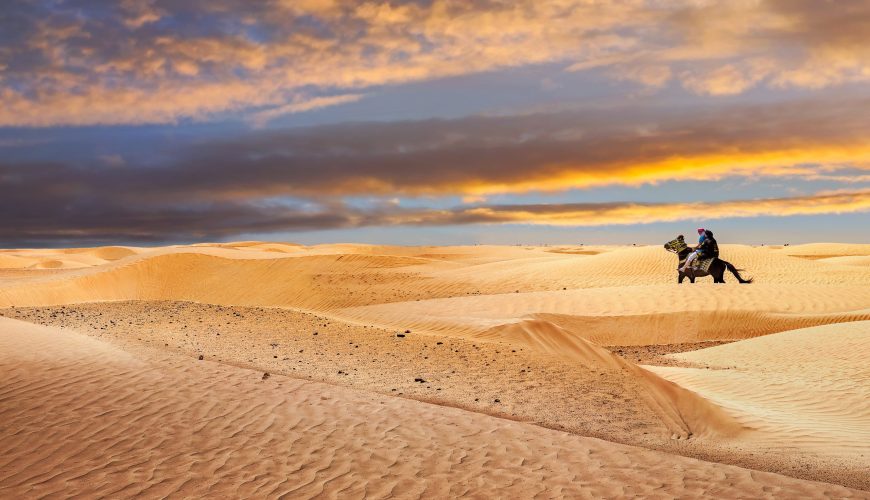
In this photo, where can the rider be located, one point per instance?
(702, 235)
(710, 247)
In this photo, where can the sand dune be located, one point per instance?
(66, 258)
(848, 260)
(635, 315)
(89, 420)
(318, 279)
(8, 261)
(328, 277)
(682, 411)
(552, 308)
(826, 250)
(105, 253)
(807, 388)
(312, 282)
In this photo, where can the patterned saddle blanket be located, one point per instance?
(702, 265)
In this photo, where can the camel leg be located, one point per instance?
(680, 278)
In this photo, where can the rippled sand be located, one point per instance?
(82, 419)
(507, 343)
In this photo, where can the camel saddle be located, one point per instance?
(703, 265)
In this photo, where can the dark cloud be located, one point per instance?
(98, 224)
(477, 154)
(101, 221)
(219, 188)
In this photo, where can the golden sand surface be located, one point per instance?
(580, 341)
(83, 419)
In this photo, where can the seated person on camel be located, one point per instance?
(697, 253)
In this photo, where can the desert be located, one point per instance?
(434, 249)
(258, 369)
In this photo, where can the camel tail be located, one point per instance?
(736, 273)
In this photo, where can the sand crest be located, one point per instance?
(805, 389)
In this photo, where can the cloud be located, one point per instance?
(101, 221)
(627, 213)
(486, 155)
(724, 80)
(802, 43)
(85, 62)
(140, 12)
(651, 76)
(114, 160)
(300, 105)
(91, 62)
(269, 180)
(480, 156)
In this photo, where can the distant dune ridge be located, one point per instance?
(789, 393)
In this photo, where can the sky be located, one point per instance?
(148, 122)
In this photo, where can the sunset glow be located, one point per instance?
(175, 121)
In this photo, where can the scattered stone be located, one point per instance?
(420, 380)
(265, 375)
(497, 401)
(401, 335)
(201, 357)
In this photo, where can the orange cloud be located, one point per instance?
(110, 220)
(774, 162)
(127, 65)
(606, 214)
(478, 157)
(725, 80)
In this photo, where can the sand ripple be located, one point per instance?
(803, 389)
(82, 419)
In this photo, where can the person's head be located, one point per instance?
(700, 230)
